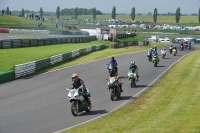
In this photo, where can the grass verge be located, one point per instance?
(13, 56)
(171, 106)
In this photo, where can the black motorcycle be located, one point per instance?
(112, 68)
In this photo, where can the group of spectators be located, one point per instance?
(3, 12)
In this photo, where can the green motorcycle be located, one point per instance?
(132, 77)
(155, 60)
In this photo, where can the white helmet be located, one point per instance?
(133, 63)
(154, 45)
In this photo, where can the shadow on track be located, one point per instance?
(124, 98)
(161, 66)
(94, 112)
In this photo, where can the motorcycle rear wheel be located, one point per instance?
(118, 92)
(89, 107)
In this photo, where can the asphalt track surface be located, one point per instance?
(39, 104)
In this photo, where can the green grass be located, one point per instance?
(130, 39)
(13, 56)
(14, 21)
(170, 106)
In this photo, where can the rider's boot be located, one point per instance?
(121, 88)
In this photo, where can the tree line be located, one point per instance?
(83, 11)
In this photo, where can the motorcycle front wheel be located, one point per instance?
(112, 95)
(155, 64)
(74, 108)
(132, 83)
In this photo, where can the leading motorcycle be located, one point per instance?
(78, 102)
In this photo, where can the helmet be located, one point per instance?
(112, 72)
(154, 45)
(133, 63)
(74, 77)
(163, 48)
(150, 48)
(112, 58)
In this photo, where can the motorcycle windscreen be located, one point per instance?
(112, 82)
(110, 66)
(71, 93)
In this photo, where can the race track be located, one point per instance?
(39, 104)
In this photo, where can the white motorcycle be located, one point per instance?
(78, 102)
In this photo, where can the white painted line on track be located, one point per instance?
(135, 96)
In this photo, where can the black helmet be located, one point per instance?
(112, 58)
(112, 72)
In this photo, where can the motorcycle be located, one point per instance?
(189, 47)
(112, 67)
(170, 50)
(155, 60)
(149, 57)
(163, 54)
(182, 48)
(114, 87)
(174, 52)
(132, 77)
(78, 102)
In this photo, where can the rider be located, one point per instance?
(175, 49)
(163, 51)
(181, 44)
(135, 68)
(189, 44)
(113, 62)
(155, 49)
(170, 48)
(114, 74)
(77, 82)
(149, 53)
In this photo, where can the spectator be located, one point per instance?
(2, 12)
(10, 13)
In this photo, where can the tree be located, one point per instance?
(155, 14)
(133, 13)
(58, 12)
(114, 12)
(178, 15)
(76, 12)
(199, 15)
(41, 12)
(7, 10)
(94, 13)
(149, 14)
(23, 12)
